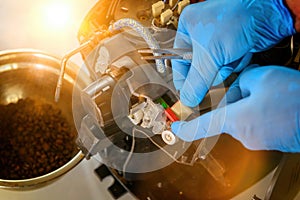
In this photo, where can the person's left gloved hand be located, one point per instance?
(262, 112)
(222, 35)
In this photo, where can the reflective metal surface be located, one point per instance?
(29, 73)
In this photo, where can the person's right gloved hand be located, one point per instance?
(262, 111)
(221, 34)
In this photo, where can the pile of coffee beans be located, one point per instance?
(35, 139)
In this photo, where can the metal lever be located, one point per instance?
(168, 53)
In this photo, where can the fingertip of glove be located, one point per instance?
(233, 94)
(175, 127)
(189, 100)
(193, 91)
(178, 85)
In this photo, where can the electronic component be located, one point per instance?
(157, 8)
(166, 16)
(181, 5)
(157, 116)
(147, 114)
(172, 3)
(168, 137)
(182, 111)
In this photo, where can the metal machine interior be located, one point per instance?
(115, 30)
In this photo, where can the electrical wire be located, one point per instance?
(131, 151)
(157, 145)
(63, 65)
(174, 7)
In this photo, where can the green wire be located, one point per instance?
(162, 102)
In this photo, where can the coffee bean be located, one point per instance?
(35, 139)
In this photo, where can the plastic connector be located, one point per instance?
(157, 8)
(182, 111)
(172, 3)
(182, 5)
(166, 16)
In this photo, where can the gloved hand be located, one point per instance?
(263, 112)
(221, 33)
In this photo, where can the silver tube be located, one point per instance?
(63, 67)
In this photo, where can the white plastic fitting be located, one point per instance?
(157, 8)
(166, 16)
(182, 5)
(168, 137)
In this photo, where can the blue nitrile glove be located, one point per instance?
(263, 112)
(220, 32)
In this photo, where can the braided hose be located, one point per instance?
(144, 33)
